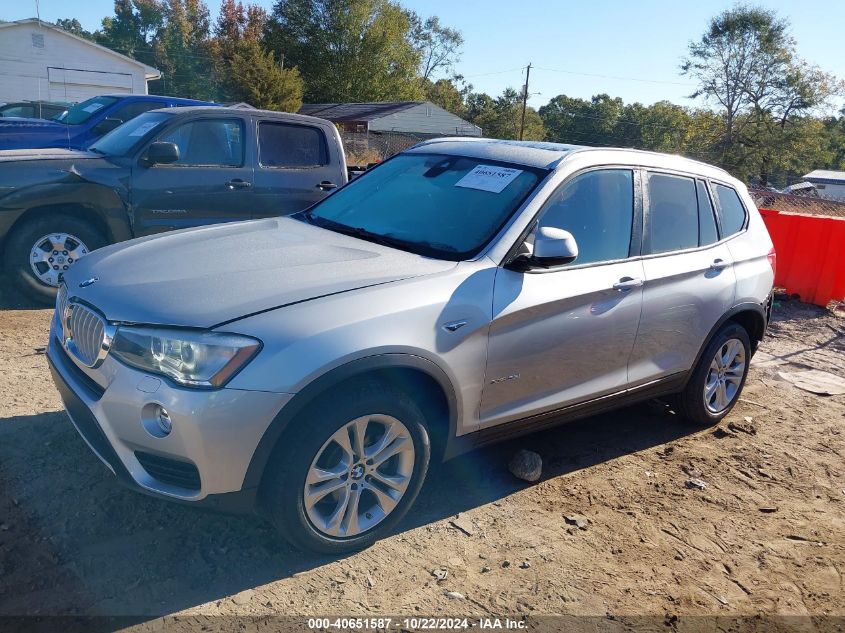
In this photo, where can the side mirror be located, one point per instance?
(552, 247)
(162, 153)
(107, 125)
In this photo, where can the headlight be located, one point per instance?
(195, 359)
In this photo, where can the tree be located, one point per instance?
(501, 117)
(347, 50)
(182, 51)
(449, 94)
(439, 46)
(73, 26)
(258, 79)
(746, 63)
(131, 29)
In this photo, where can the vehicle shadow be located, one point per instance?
(77, 543)
(12, 299)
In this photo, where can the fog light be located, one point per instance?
(165, 424)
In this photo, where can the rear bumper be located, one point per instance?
(204, 459)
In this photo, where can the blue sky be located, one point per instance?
(627, 49)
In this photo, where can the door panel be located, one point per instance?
(293, 162)
(211, 182)
(683, 298)
(564, 335)
(685, 292)
(559, 338)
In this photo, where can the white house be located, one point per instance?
(829, 184)
(39, 61)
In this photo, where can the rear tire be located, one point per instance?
(27, 252)
(364, 505)
(717, 381)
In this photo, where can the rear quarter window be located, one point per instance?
(731, 211)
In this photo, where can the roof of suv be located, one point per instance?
(549, 155)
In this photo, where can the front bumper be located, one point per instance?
(214, 433)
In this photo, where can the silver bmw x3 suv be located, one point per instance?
(465, 291)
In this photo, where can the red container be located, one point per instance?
(810, 255)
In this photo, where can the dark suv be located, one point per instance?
(166, 169)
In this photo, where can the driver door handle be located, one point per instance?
(238, 183)
(719, 264)
(326, 185)
(626, 284)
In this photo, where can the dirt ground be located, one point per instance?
(766, 535)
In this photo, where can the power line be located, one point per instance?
(618, 77)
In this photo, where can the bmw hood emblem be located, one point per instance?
(88, 282)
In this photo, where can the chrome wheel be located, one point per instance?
(359, 475)
(52, 255)
(724, 376)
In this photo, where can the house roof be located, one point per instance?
(356, 111)
(826, 176)
(149, 72)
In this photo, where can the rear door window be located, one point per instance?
(291, 146)
(672, 223)
(731, 211)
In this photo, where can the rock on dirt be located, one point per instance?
(526, 465)
(695, 483)
(578, 520)
(454, 595)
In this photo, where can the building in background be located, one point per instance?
(418, 118)
(39, 61)
(829, 184)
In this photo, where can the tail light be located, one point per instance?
(773, 261)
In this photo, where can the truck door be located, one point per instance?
(210, 183)
(294, 168)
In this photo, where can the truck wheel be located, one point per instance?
(41, 250)
(350, 471)
(719, 377)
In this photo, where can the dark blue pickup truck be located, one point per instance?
(84, 123)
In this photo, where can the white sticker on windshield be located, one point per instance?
(489, 178)
(93, 107)
(144, 128)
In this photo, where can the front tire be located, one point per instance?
(350, 470)
(717, 381)
(41, 250)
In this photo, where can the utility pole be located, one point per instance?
(524, 101)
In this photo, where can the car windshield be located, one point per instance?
(443, 206)
(126, 137)
(81, 112)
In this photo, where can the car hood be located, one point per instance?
(9, 155)
(34, 133)
(213, 275)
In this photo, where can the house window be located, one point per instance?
(37, 40)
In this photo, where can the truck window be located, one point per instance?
(209, 142)
(292, 146)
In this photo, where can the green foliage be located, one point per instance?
(449, 94)
(501, 117)
(73, 26)
(259, 80)
(348, 50)
(747, 66)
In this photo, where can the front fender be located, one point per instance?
(69, 190)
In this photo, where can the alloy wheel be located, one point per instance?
(359, 475)
(52, 255)
(724, 376)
